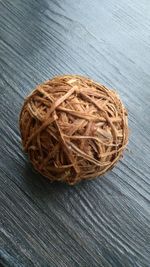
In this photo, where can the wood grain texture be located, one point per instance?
(103, 222)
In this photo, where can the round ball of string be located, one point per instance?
(73, 128)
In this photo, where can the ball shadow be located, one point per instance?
(40, 188)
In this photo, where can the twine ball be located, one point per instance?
(73, 128)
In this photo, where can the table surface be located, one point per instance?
(102, 222)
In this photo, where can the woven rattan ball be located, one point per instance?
(73, 128)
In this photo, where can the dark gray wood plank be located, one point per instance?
(103, 222)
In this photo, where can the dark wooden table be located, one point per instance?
(103, 222)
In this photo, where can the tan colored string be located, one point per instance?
(73, 128)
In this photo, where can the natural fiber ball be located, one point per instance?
(73, 128)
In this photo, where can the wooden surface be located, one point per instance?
(103, 222)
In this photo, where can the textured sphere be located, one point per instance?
(73, 128)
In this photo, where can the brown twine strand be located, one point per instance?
(73, 128)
